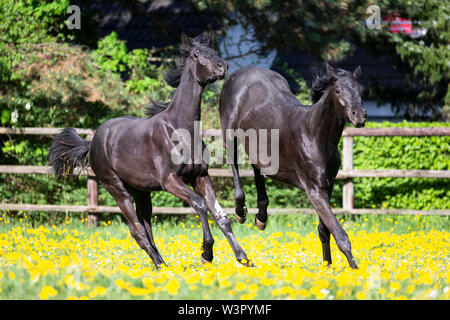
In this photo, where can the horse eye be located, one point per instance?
(338, 91)
(196, 55)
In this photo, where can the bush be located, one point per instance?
(427, 153)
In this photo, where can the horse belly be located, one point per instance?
(189, 172)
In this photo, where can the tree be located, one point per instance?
(329, 30)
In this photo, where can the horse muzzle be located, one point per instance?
(358, 119)
(221, 69)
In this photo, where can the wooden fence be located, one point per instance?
(347, 174)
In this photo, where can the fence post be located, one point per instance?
(348, 191)
(92, 188)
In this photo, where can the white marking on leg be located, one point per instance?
(219, 209)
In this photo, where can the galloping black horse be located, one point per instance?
(254, 98)
(132, 156)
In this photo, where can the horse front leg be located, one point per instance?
(205, 188)
(320, 200)
(176, 186)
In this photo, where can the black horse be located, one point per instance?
(132, 156)
(254, 98)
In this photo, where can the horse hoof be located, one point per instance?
(204, 261)
(247, 263)
(241, 216)
(261, 225)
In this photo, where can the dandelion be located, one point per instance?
(135, 291)
(47, 292)
(122, 284)
(97, 291)
(172, 286)
(253, 287)
(224, 283)
(240, 286)
(361, 295)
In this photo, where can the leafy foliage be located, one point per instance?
(428, 153)
(330, 30)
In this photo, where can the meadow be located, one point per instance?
(399, 257)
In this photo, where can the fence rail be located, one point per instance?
(347, 174)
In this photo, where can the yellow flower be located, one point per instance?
(253, 287)
(97, 291)
(410, 289)
(343, 279)
(361, 295)
(248, 296)
(47, 292)
(320, 294)
(192, 279)
(11, 275)
(240, 286)
(304, 293)
(224, 283)
(148, 283)
(276, 292)
(208, 280)
(139, 291)
(122, 284)
(267, 282)
(395, 286)
(69, 280)
(425, 279)
(172, 286)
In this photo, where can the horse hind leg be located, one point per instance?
(119, 192)
(239, 195)
(324, 236)
(263, 199)
(144, 212)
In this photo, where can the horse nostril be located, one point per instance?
(353, 113)
(219, 66)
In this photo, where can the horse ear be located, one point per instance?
(186, 43)
(357, 72)
(207, 39)
(329, 69)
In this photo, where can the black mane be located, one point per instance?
(322, 81)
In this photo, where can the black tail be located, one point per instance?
(67, 152)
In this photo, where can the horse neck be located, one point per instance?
(184, 109)
(327, 121)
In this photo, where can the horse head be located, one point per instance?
(347, 93)
(205, 63)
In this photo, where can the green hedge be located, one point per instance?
(427, 153)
